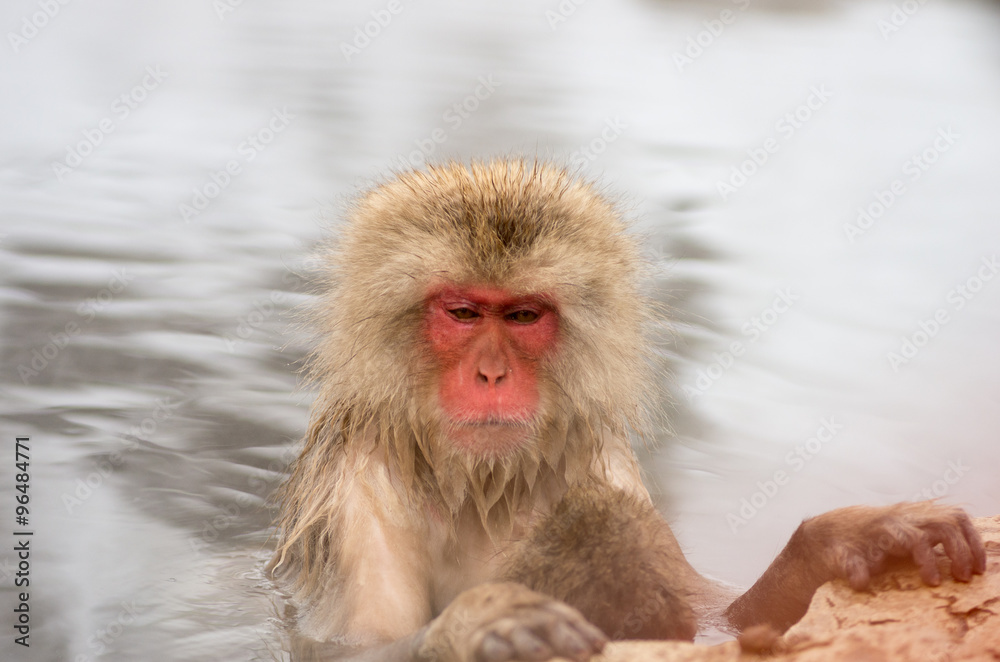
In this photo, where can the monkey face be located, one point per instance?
(488, 346)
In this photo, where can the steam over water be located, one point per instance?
(815, 183)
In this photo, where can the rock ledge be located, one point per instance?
(900, 619)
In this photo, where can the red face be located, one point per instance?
(488, 345)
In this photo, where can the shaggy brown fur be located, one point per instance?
(529, 227)
(388, 526)
(568, 557)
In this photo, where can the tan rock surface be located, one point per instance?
(899, 619)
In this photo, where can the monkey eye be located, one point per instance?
(523, 316)
(463, 313)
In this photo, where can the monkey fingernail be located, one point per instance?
(528, 646)
(930, 575)
(569, 642)
(494, 649)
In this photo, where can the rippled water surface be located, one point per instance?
(816, 183)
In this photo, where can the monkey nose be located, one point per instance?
(492, 370)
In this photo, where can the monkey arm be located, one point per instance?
(401, 650)
(497, 622)
(378, 605)
(782, 594)
(609, 554)
(620, 468)
(853, 544)
(493, 622)
(376, 587)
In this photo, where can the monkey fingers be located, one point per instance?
(539, 633)
(914, 529)
(963, 545)
(496, 622)
(923, 555)
(854, 544)
(853, 567)
(858, 540)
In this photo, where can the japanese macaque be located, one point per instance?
(467, 489)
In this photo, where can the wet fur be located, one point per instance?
(374, 432)
(386, 527)
(568, 557)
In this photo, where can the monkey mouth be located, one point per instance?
(492, 422)
(490, 416)
(491, 436)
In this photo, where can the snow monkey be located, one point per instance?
(467, 489)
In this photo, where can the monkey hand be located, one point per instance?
(854, 544)
(857, 542)
(506, 621)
